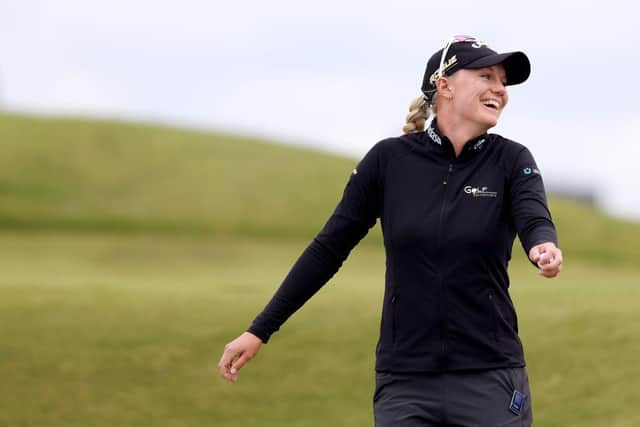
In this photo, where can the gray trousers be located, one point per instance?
(491, 398)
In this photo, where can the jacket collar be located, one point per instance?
(435, 140)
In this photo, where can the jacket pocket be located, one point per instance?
(394, 318)
(383, 379)
(493, 309)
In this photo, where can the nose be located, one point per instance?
(499, 88)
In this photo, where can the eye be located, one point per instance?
(486, 76)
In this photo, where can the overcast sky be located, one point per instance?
(336, 74)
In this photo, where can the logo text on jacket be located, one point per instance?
(480, 191)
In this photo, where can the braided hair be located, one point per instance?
(420, 110)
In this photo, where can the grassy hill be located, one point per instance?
(90, 175)
(72, 174)
(131, 254)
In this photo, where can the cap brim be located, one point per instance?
(516, 65)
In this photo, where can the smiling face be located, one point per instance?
(478, 96)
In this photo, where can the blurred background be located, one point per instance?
(164, 163)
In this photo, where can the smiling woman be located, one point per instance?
(451, 200)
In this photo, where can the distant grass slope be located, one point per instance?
(81, 174)
(77, 174)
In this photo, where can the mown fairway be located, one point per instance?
(130, 254)
(107, 330)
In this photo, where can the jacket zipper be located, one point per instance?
(443, 299)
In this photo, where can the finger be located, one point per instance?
(534, 254)
(226, 360)
(226, 374)
(551, 261)
(555, 262)
(558, 256)
(240, 362)
(545, 261)
(232, 378)
(549, 274)
(553, 256)
(551, 270)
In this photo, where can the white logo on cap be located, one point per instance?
(450, 63)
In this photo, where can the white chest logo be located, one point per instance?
(480, 191)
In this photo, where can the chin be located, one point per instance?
(489, 121)
(485, 125)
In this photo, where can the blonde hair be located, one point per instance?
(419, 111)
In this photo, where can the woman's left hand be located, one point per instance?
(548, 258)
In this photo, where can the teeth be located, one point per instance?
(492, 103)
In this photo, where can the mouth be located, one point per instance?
(492, 104)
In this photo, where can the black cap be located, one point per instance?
(475, 54)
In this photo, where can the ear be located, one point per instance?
(442, 84)
(443, 87)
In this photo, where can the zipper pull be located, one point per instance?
(449, 171)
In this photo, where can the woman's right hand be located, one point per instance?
(236, 354)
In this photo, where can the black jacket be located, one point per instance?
(449, 225)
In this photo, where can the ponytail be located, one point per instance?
(419, 111)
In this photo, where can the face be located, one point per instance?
(479, 95)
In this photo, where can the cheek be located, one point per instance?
(467, 106)
(470, 97)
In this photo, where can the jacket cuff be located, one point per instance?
(260, 333)
(541, 235)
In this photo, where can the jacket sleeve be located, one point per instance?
(529, 203)
(355, 214)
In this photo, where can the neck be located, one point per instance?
(459, 131)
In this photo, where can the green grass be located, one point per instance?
(113, 330)
(131, 253)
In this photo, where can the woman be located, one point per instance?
(451, 200)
